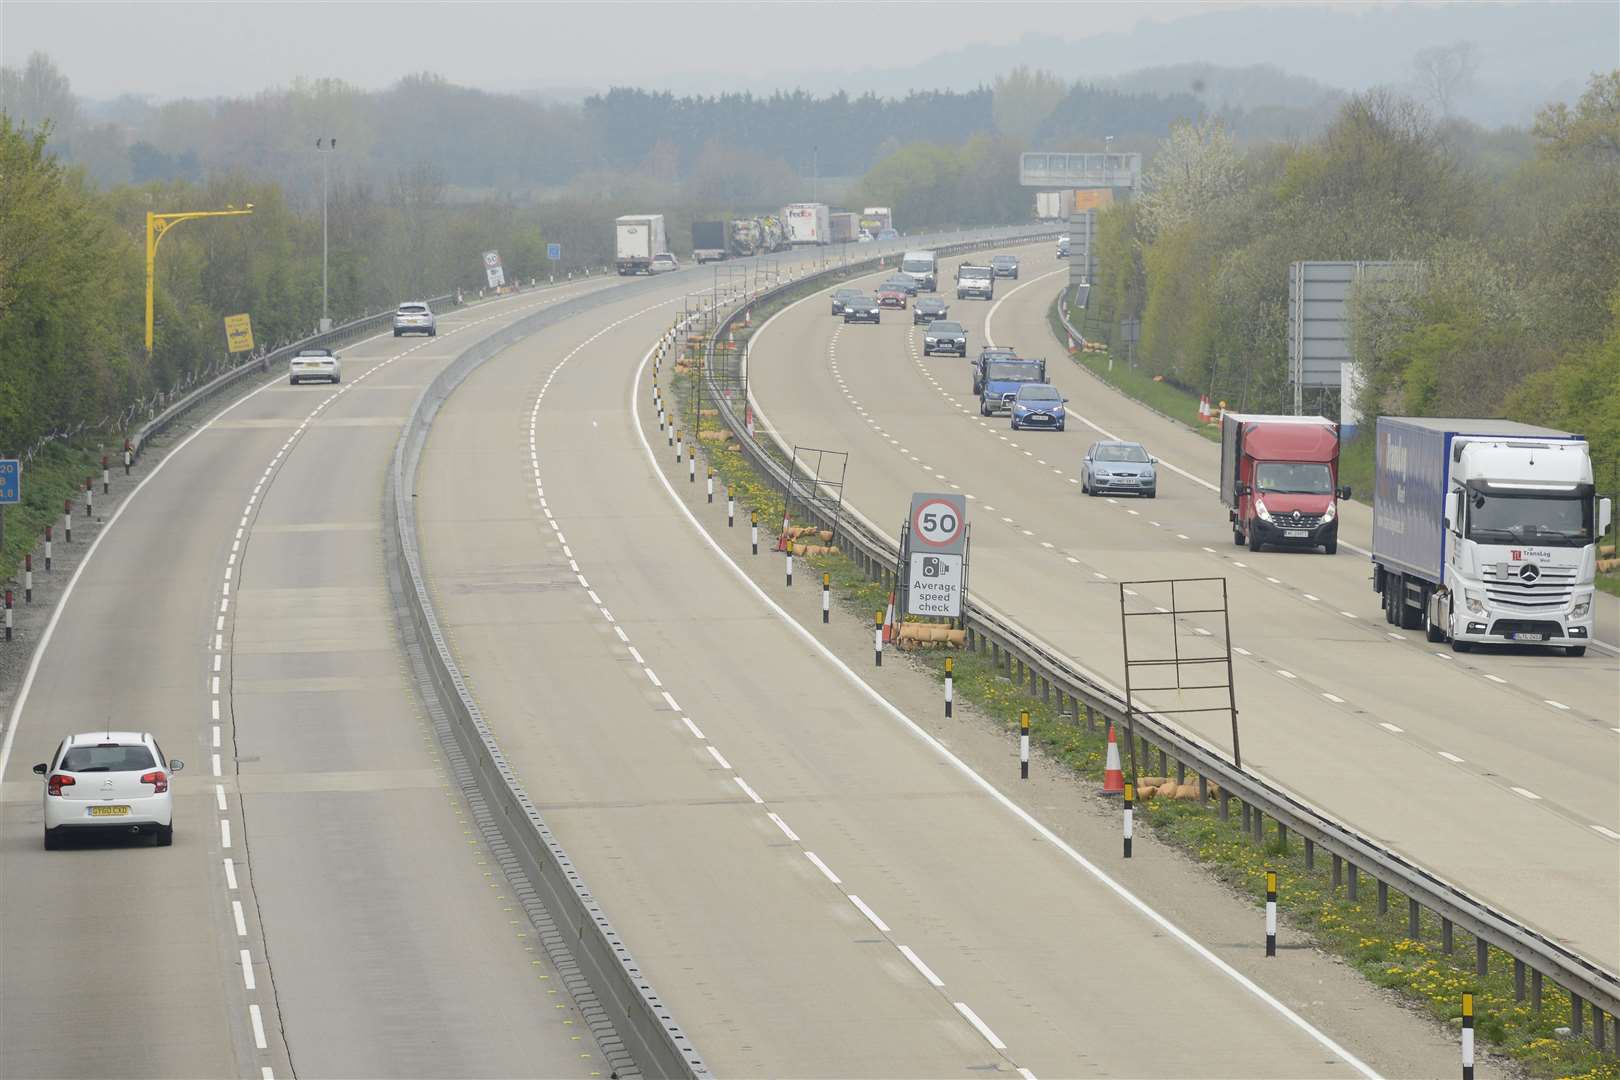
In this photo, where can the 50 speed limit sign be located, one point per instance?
(939, 522)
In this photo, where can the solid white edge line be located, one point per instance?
(979, 1025)
(922, 969)
(990, 789)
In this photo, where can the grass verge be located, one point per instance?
(57, 472)
(1373, 941)
(1163, 397)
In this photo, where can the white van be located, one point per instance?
(924, 267)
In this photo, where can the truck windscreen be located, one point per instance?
(1005, 372)
(1553, 520)
(917, 266)
(1293, 478)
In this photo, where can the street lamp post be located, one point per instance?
(324, 147)
(156, 226)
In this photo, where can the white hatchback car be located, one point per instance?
(663, 263)
(312, 363)
(108, 781)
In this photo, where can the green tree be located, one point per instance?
(1022, 99)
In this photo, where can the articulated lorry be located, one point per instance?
(806, 223)
(708, 241)
(756, 236)
(1486, 531)
(1279, 480)
(843, 226)
(637, 238)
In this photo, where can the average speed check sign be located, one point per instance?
(938, 523)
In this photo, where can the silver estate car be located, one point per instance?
(414, 317)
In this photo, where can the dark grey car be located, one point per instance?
(839, 296)
(862, 308)
(944, 336)
(927, 310)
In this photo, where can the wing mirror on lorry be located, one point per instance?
(1240, 488)
(1451, 511)
(1344, 492)
(1605, 516)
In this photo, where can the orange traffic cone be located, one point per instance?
(888, 621)
(1071, 344)
(1113, 775)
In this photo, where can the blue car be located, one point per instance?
(1038, 405)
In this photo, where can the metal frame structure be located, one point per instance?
(1176, 662)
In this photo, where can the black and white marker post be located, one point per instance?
(731, 506)
(711, 483)
(680, 447)
(950, 693)
(790, 564)
(753, 529)
(129, 457)
(67, 521)
(8, 614)
(1271, 913)
(47, 549)
(1023, 748)
(826, 597)
(89, 495)
(1467, 1032)
(691, 467)
(877, 641)
(106, 477)
(1130, 796)
(28, 578)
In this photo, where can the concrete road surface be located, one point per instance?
(1496, 769)
(812, 887)
(323, 907)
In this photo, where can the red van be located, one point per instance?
(1279, 480)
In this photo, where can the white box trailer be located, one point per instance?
(807, 223)
(637, 238)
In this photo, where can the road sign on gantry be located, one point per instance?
(938, 523)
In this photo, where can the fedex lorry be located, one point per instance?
(1280, 480)
(807, 223)
(1486, 531)
(637, 238)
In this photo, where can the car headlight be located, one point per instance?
(1581, 606)
(1260, 508)
(1475, 602)
(1330, 513)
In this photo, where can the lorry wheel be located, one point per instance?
(1237, 536)
(1574, 650)
(1254, 540)
(1411, 619)
(1387, 596)
(1431, 633)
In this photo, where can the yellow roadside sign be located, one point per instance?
(239, 333)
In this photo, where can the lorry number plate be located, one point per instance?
(1301, 533)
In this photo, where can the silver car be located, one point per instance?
(1113, 465)
(414, 317)
(322, 364)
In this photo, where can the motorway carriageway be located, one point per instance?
(812, 885)
(1496, 769)
(324, 905)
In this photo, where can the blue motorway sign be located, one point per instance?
(10, 481)
(553, 252)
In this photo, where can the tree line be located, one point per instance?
(1510, 305)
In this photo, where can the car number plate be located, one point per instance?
(1528, 637)
(1296, 533)
(109, 811)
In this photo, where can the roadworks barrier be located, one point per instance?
(1166, 787)
(930, 636)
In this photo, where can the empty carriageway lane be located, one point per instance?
(782, 853)
(318, 870)
(1415, 748)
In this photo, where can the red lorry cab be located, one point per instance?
(1279, 480)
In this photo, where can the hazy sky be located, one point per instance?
(203, 49)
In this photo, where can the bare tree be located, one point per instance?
(1445, 71)
(1195, 171)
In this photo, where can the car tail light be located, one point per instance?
(57, 782)
(159, 781)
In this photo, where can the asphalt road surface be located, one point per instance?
(812, 886)
(1496, 769)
